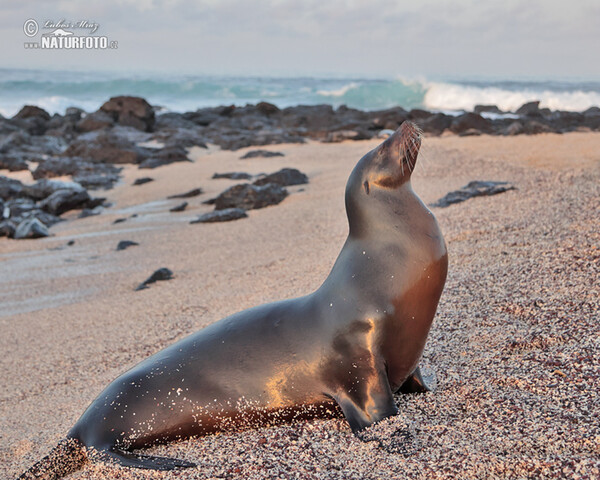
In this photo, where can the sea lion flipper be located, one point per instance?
(137, 460)
(359, 419)
(417, 382)
(363, 412)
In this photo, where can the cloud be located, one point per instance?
(380, 37)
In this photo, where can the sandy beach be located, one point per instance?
(514, 344)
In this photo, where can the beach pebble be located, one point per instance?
(225, 215)
(64, 200)
(233, 176)
(192, 193)
(31, 228)
(165, 156)
(250, 197)
(261, 153)
(7, 229)
(123, 244)
(159, 275)
(284, 177)
(142, 180)
(179, 208)
(475, 188)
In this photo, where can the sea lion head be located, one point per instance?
(382, 176)
(391, 164)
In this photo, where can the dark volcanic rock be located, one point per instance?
(31, 111)
(389, 119)
(435, 124)
(89, 212)
(45, 187)
(261, 153)
(235, 139)
(123, 244)
(33, 119)
(19, 208)
(88, 174)
(233, 175)
(250, 197)
(468, 121)
(95, 121)
(284, 177)
(181, 137)
(10, 188)
(7, 229)
(165, 156)
(564, 121)
(13, 163)
(95, 181)
(172, 121)
(31, 228)
(14, 140)
(515, 128)
(487, 109)
(179, 208)
(141, 181)
(106, 147)
(591, 118)
(62, 201)
(531, 109)
(192, 193)
(225, 215)
(532, 127)
(475, 188)
(159, 275)
(342, 135)
(418, 114)
(266, 108)
(131, 111)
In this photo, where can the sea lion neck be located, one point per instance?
(381, 180)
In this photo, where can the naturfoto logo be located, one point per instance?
(61, 36)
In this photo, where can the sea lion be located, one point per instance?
(352, 343)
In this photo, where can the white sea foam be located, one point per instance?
(180, 93)
(339, 92)
(448, 96)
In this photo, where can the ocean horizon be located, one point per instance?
(57, 90)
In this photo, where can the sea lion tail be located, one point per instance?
(67, 457)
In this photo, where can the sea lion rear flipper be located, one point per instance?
(137, 460)
(417, 382)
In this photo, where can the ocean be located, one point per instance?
(57, 90)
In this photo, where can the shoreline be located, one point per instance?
(90, 149)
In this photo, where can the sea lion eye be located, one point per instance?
(366, 185)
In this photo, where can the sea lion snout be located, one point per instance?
(391, 164)
(403, 146)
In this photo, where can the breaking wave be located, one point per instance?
(55, 91)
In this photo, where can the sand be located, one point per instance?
(514, 344)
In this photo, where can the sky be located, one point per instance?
(371, 38)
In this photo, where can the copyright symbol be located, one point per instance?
(30, 27)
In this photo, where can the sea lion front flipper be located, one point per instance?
(417, 382)
(137, 460)
(364, 412)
